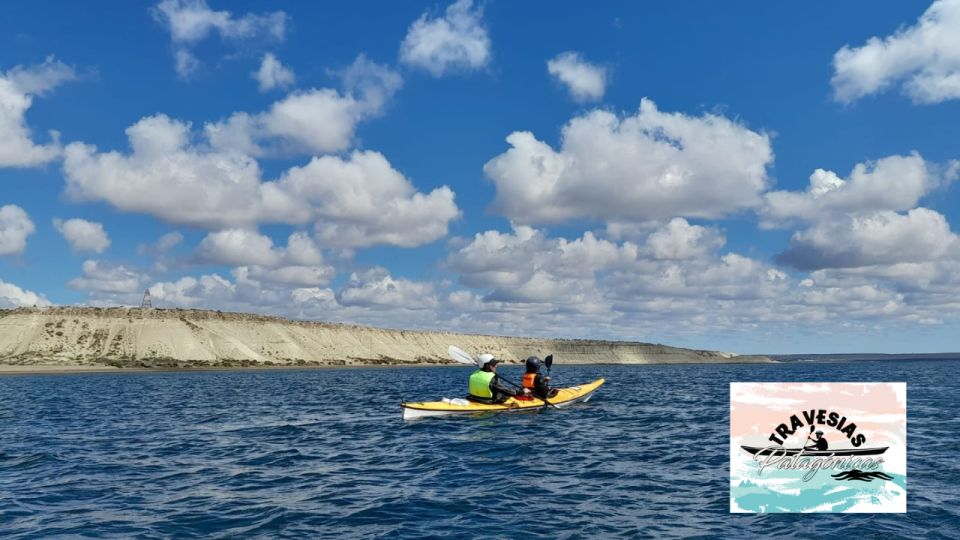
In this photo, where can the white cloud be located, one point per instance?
(185, 63)
(300, 264)
(362, 201)
(585, 81)
(272, 74)
(208, 292)
(15, 227)
(101, 277)
(377, 289)
(12, 296)
(650, 166)
(302, 250)
(83, 235)
(882, 238)
(893, 183)
(924, 57)
(859, 221)
(18, 87)
(39, 79)
(297, 276)
(374, 84)
(237, 247)
(356, 201)
(167, 177)
(527, 266)
(314, 295)
(370, 296)
(191, 21)
(248, 248)
(681, 240)
(169, 241)
(314, 121)
(456, 41)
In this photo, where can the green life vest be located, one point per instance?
(480, 383)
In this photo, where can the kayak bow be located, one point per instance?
(564, 398)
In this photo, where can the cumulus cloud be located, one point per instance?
(353, 201)
(924, 58)
(649, 166)
(15, 227)
(83, 235)
(585, 81)
(869, 218)
(376, 288)
(527, 266)
(671, 281)
(208, 292)
(369, 296)
(301, 260)
(681, 240)
(168, 177)
(18, 87)
(881, 238)
(312, 121)
(893, 183)
(191, 21)
(362, 201)
(104, 277)
(300, 264)
(297, 276)
(237, 247)
(12, 296)
(456, 41)
(273, 74)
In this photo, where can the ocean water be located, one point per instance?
(325, 454)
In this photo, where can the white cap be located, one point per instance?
(485, 359)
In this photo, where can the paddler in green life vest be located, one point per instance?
(485, 385)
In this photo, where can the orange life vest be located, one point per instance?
(529, 380)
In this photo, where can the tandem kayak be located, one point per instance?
(778, 451)
(564, 398)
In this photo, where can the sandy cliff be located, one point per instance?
(133, 337)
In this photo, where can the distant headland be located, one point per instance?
(89, 338)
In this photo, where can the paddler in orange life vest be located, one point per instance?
(485, 385)
(534, 381)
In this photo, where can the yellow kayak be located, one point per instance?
(565, 397)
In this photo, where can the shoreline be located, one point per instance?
(46, 369)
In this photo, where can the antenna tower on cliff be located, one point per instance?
(146, 303)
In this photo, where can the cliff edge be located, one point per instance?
(180, 338)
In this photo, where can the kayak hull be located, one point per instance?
(777, 451)
(564, 398)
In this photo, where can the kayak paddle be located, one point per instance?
(462, 356)
(548, 361)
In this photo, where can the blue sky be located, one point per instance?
(727, 176)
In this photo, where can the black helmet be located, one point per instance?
(533, 364)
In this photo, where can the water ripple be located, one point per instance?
(324, 454)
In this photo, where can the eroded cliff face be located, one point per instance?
(134, 337)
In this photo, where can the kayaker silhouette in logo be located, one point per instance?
(816, 444)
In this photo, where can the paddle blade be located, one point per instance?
(461, 356)
(548, 361)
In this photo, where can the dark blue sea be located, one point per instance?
(325, 454)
